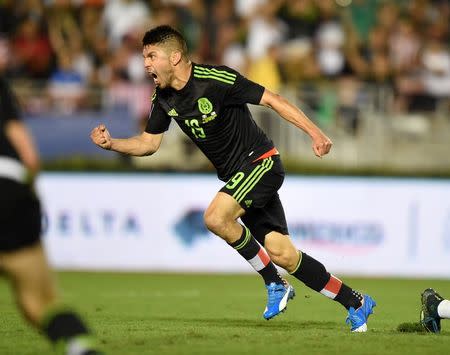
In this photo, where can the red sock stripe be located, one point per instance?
(332, 287)
(260, 260)
(263, 256)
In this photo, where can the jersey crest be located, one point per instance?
(204, 105)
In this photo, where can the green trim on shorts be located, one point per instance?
(251, 180)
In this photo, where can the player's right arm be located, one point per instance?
(140, 145)
(146, 143)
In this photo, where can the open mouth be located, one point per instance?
(155, 78)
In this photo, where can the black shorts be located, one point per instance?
(255, 188)
(20, 216)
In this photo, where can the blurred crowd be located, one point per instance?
(72, 49)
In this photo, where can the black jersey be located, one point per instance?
(212, 110)
(9, 110)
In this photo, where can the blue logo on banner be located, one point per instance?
(343, 237)
(190, 228)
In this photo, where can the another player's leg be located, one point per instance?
(434, 308)
(34, 290)
(220, 218)
(23, 261)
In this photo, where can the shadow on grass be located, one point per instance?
(248, 323)
(276, 325)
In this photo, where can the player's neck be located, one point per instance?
(182, 75)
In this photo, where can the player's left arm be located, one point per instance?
(321, 144)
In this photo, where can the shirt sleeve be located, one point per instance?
(158, 121)
(9, 105)
(243, 91)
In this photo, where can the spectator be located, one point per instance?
(246, 8)
(363, 17)
(298, 42)
(66, 88)
(233, 52)
(421, 91)
(387, 15)
(32, 51)
(297, 58)
(122, 17)
(215, 30)
(127, 87)
(66, 36)
(329, 38)
(265, 30)
(404, 46)
(265, 71)
(371, 62)
(7, 18)
(188, 16)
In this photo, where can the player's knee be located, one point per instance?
(214, 221)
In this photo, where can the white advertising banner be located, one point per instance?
(154, 222)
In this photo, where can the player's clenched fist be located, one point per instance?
(321, 145)
(101, 136)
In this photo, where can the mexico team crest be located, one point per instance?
(204, 105)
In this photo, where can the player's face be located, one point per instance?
(157, 65)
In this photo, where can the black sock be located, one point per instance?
(348, 297)
(66, 327)
(256, 255)
(314, 275)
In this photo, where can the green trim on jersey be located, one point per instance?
(219, 75)
(252, 179)
(223, 73)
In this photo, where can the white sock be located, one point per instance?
(78, 345)
(444, 309)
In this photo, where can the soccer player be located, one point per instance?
(434, 308)
(209, 103)
(22, 257)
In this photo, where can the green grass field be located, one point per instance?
(222, 314)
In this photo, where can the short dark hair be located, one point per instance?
(163, 34)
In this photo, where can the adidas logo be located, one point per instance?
(172, 112)
(248, 202)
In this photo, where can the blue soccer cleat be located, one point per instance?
(358, 317)
(278, 297)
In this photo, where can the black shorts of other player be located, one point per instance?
(255, 188)
(20, 216)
